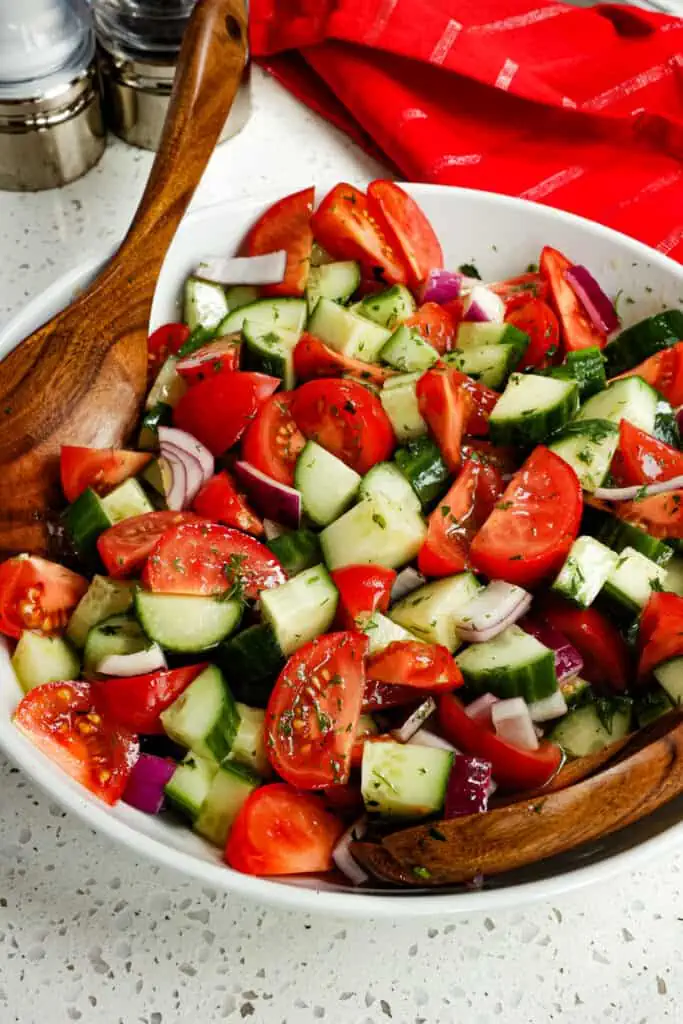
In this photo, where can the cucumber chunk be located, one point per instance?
(230, 787)
(669, 675)
(531, 408)
(204, 303)
(287, 314)
(240, 295)
(86, 518)
(382, 631)
(270, 350)
(592, 727)
(627, 399)
(374, 531)
(674, 576)
(326, 484)
(387, 308)
(168, 388)
(252, 661)
(189, 786)
(296, 550)
(400, 780)
(160, 415)
(187, 624)
(585, 571)
(335, 281)
(617, 535)
(125, 501)
(347, 333)
(631, 582)
(103, 598)
(643, 339)
(588, 446)
(408, 352)
(490, 364)
(249, 747)
(39, 659)
(430, 611)
(399, 401)
(477, 335)
(422, 465)
(587, 367)
(204, 717)
(301, 609)
(513, 664)
(119, 634)
(387, 479)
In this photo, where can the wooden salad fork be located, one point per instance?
(81, 378)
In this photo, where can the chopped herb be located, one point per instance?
(421, 872)
(435, 834)
(469, 270)
(380, 520)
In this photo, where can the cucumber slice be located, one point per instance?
(252, 661)
(249, 747)
(531, 408)
(204, 303)
(588, 446)
(187, 624)
(401, 780)
(347, 333)
(669, 675)
(204, 717)
(300, 609)
(387, 308)
(627, 399)
(575, 691)
(631, 582)
(327, 486)
(126, 500)
(160, 415)
(240, 295)
(189, 786)
(423, 467)
(477, 335)
(585, 571)
(408, 352)
(103, 599)
(674, 576)
(588, 729)
(335, 281)
(374, 531)
(513, 664)
(587, 367)
(168, 388)
(643, 339)
(399, 401)
(296, 550)
(85, 519)
(617, 535)
(287, 314)
(230, 787)
(490, 364)
(39, 659)
(387, 479)
(430, 611)
(270, 350)
(381, 632)
(119, 634)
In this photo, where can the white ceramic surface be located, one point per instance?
(501, 236)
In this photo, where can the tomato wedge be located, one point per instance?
(512, 768)
(517, 291)
(483, 401)
(313, 711)
(600, 644)
(435, 325)
(363, 590)
(135, 702)
(279, 831)
(313, 359)
(207, 559)
(446, 406)
(216, 357)
(62, 720)
(576, 327)
(536, 319)
(218, 410)
(661, 514)
(99, 468)
(660, 634)
(664, 372)
(125, 547)
(286, 225)
(406, 227)
(346, 419)
(344, 225)
(530, 531)
(220, 501)
(641, 458)
(37, 594)
(273, 441)
(413, 663)
(162, 343)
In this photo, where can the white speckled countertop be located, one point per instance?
(88, 933)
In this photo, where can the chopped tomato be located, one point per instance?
(62, 720)
(447, 408)
(660, 515)
(286, 225)
(363, 590)
(220, 501)
(313, 711)
(125, 547)
(530, 531)
(435, 325)
(135, 702)
(346, 419)
(641, 458)
(218, 410)
(344, 225)
(660, 633)
(346, 800)
(216, 357)
(99, 468)
(379, 696)
(512, 767)
(483, 401)
(517, 291)
(406, 227)
(273, 441)
(413, 663)
(538, 321)
(576, 327)
(664, 372)
(502, 458)
(600, 644)
(162, 343)
(204, 558)
(279, 831)
(314, 359)
(37, 594)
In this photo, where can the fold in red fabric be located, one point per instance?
(579, 108)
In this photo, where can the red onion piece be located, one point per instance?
(467, 791)
(342, 856)
(380, 696)
(568, 661)
(480, 709)
(415, 721)
(408, 580)
(174, 477)
(547, 708)
(189, 466)
(441, 286)
(145, 788)
(484, 306)
(642, 491)
(182, 441)
(492, 610)
(150, 659)
(270, 497)
(597, 304)
(512, 722)
(266, 269)
(426, 738)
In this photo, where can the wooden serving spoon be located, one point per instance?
(81, 378)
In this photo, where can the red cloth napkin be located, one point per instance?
(578, 108)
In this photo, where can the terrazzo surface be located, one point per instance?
(89, 933)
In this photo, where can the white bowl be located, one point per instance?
(501, 236)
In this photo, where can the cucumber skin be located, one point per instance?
(642, 340)
(86, 518)
(617, 534)
(423, 467)
(251, 662)
(538, 427)
(296, 551)
(586, 367)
